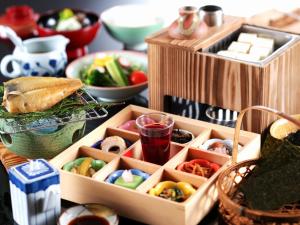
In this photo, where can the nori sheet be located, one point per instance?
(275, 180)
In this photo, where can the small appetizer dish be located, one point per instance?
(114, 144)
(85, 166)
(131, 125)
(178, 192)
(89, 214)
(200, 167)
(79, 26)
(219, 146)
(111, 76)
(128, 178)
(181, 136)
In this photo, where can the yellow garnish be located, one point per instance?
(102, 61)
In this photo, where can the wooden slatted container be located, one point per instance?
(184, 68)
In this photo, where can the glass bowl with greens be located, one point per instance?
(113, 75)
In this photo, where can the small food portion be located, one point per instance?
(113, 144)
(131, 125)
(34, 94)
(181, 136)
(178, 192)
(200, 167)
(113, 71)
(68, 20)
(128, 178)
(219, 146)
(249, 47)
(85, 166)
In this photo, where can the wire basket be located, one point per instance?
(232, 208)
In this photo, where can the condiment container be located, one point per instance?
(35, 193)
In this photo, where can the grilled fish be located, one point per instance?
(34, 94)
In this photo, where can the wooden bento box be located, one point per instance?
(138, 204)
(191, 69)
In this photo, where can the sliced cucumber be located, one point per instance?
(116, 73)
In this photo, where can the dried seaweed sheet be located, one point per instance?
(275, 181)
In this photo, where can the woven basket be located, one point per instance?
(232, 207)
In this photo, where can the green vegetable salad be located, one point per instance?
(113, 71)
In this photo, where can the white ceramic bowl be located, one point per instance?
(110, 94)
(132, 23)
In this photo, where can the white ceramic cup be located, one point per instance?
(43, 57)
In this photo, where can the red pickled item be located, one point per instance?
(200, 167)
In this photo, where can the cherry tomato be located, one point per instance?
(137, 77)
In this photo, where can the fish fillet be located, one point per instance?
(34, 94)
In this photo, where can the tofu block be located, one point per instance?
(262, 52)
(239, 47)
(247, 38)
(247, 57)
(264, 42)
(227, 53)
(239, 56)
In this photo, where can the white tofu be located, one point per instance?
(227, 53)
(247, 38)
(264, 42)
(262, 52)
(239, 47)
(239, 56)
(247, 57)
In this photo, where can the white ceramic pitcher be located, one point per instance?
(43, 56)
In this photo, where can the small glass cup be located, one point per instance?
(155, 132)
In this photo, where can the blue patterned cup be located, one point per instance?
(44, 56)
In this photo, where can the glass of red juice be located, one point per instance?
(155, 132)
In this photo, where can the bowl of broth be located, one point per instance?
(89, 214)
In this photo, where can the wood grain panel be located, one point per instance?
(207, 78)
(213, 34)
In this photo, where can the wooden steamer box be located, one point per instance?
(138, 204)
(192, 70)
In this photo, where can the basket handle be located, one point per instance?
(239, 123)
